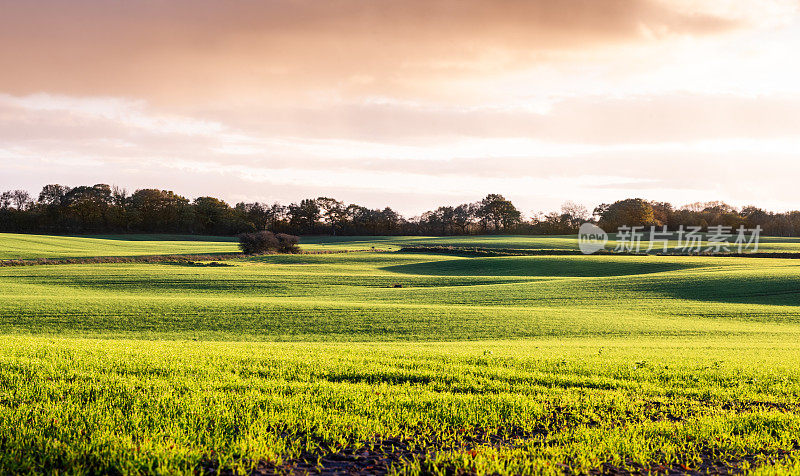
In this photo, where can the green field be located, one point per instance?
(563, 242)
(378, 361)
(18, 246)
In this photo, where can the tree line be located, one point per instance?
(102, 208)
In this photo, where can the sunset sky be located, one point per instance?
(407, 103)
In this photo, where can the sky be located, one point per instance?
(407, 103)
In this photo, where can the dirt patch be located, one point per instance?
(379, 458)
(200, 264)
(186, 260)
(365, 460)
(374, 459)
(709, 465)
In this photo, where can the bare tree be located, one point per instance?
(21, 199)
(332, 212)
(5, 200)
(53, 194)
(464, 216)
(574, 214)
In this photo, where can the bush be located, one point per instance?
(287, 243)
(261, 242)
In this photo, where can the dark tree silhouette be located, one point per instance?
(629, 212)
(499, 212)
(101, 208)
(305, 216)
(261, 242)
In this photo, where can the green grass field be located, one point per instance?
(378, 361)
(555, 242)
(18, 246)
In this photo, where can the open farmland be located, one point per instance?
(523, 242)
(378, 361)
(20, 246)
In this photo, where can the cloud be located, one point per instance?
(195, 50)
(63, 139)
(405, 102)
(671, 117)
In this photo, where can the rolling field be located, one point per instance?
(397, 362)
(17, 246)
(770, 244)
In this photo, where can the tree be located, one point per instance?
(718, 207)
(102, 208)
(53, 195)
(553, 223)
(5, 200)
(119, 211)
(304, 216)
(663, 214)
(51, 204)
(358, 219)
(332, 212)
(573, 215)
(720, 213)
(755, 216)
(21, 199)
(439, 222)
(276, 216)
(446, 216)
(629, 212)
(252, 213)
(89, 206)
(464, 216)
(389, 221)
(162, 210)
(500, 212)
(567, 221)
(213, 216)
(599, 210)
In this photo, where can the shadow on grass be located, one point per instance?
(537, 266)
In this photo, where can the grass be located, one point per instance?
(525, 242)
(21, 246)
(352, 296)
(18, 246)
(540, 406)
(512, 365)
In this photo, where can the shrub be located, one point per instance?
(287, 243)
(261, 242)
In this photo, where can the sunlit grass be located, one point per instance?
(19, 246)
(147, 406)
(514, 365)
